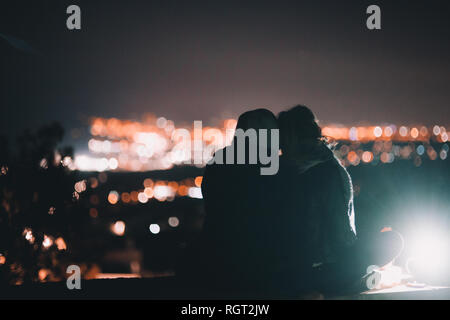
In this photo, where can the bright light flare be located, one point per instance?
(430, 252)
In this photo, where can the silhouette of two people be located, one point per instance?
(280, 235)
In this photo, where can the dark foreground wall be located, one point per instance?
(169, 289)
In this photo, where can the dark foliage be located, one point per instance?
(36, 200)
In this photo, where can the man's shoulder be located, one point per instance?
(291, 166)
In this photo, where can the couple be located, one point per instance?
(281, 235)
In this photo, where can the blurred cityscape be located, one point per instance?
(157, 144)
(131, 206)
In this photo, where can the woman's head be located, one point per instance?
(257, 119)
(257, 140)
(297, 125)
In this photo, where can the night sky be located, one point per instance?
(192, 60)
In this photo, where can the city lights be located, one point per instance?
(118, 228)
(28, 234)
(119, 145)
(195, 192)
(113, 197)
(173, 222)
(80, 186)
(42, 274)
(142, 197)
(60, 244)
(157, 144)
(154, 228)
(47, 242)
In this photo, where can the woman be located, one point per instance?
(231, 255)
